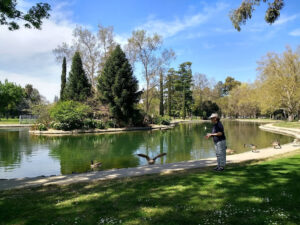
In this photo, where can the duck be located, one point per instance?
(276, 144)
(151, 161)
(95, 165)
(229, 151)
(252, 147)
(296, 141)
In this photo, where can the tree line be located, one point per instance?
(164, 90)
(274, 93)
(15, 100)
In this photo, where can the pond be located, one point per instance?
(25, 155)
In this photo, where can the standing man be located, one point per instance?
(219, 139)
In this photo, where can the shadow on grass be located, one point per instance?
(264, 193)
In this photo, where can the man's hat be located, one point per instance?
(214, 115)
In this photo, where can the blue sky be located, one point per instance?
(198, 31)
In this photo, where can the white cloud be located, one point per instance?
(284, 19)
(121, 39)
(208, 45)
(46, 88)
(193, 35)
(26, 54)
(171, 28)
(224, 30)
(295, 32)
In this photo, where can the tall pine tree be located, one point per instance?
(170, 88)
(78, 87)
(185, 73)
(119, 88)
(63, 79)
(161, 93)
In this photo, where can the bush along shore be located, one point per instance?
(103, 130)
(72, 117)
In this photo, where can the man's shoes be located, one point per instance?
(220, 169)
(216, 169)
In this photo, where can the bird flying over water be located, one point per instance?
(151, 161)
(95, 165)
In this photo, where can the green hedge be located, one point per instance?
(71, 115)
(164, 120)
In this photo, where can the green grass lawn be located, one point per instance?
(260, 193)
(9, 121)
(259, 120)
(288, 124)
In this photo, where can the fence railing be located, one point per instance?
(27, 119)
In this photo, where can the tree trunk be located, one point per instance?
(147, 98)
(169, 96)
(291, 117)
(161, 99)
(184, 105)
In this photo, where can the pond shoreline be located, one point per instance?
(255, 120)
(155, 169)
(15, 125)
(53, 132)
(294, 132)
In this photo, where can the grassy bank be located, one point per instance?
(9, 121)
(288, 124)
(261, 193)
(258, 120)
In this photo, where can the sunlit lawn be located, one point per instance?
(260, 120)
(5, 121)
(288, 124)
(9, 121)
(261, 193)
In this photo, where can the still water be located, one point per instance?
(25, 155)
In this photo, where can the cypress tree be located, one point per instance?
(63, 78)
(170, 86)
(161, 94)
(169, 91)
(78, 87)
(118, 87)
(185, 73)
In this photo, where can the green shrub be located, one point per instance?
(70, 114)
(156, 119)
(52, 124)
(138, 118)
(41, 127)
(100, 124)
(42, 112)
(59, 126)
(89, 124)
(110, 124)
(164, 120)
